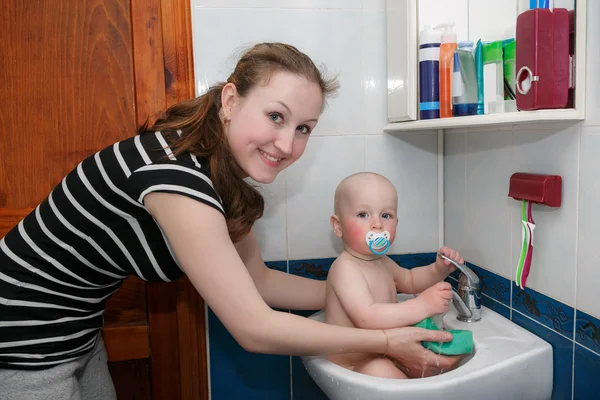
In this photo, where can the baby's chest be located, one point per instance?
(381, 284)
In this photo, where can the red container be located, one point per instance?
(538, 188)
(544, 59)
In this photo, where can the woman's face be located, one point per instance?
(267, 130)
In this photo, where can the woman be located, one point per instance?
(169, 201)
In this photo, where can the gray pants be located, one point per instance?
(86, 378)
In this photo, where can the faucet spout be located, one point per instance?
(461, 307)
(468, 299)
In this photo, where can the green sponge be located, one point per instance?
(461, 343)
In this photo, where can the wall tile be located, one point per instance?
(587, 371)
(550, 312)
(496, 306)
(587, 330)
(492, 285)
(374, 64)
(310, 187)
(317, 268)
(489, 20)
(238, 374)
(562, 357)
(433, 12)
(329, 29)
(488, 166)
(293, 4)
(304, 387)
(410, 163)
(588, 258)
(455, 193)
(271, 229)
(554, 260)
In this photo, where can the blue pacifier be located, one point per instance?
(379, 243)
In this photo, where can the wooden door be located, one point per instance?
(78, 75)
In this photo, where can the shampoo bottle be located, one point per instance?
(429, 55)
(447, 47)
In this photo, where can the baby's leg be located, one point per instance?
(380, 367)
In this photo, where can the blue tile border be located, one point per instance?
(495, 286)
(238, 374)
(587, 372)
(550, 312)
(562, 355)
(311, 268)
(495, 306)
(277, 265)
(304, 387)
(410, 261)
(587, 330)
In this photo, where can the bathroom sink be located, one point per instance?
(508, 362)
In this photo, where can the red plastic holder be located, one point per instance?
(537, 188)
(544, 59)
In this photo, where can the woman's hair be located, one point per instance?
(203, 132)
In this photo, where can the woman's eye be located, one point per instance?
(305, 130)
(275, 117)
(362, 215)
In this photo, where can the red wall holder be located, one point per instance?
(537, 188)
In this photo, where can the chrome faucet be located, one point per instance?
(468, 299)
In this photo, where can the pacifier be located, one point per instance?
(378, 243)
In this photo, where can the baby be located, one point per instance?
(363, 282)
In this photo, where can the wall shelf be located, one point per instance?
(402, 60)
(509, 118)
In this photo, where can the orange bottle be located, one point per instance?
(447, 48)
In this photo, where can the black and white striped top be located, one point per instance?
(61, 263)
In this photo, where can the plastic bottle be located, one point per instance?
(509, 57)
(429, 59)
(464, 85)
(446, 66)
(493, 77)
(479, 76)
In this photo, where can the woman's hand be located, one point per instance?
(404, 346)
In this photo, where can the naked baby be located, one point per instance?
(363, 282)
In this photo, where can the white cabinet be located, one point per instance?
(474, 19)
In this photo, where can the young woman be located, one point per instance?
(169, 201)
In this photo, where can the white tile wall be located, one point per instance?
(565, 265)
(410, 163)
(348, 38)
(489, 157)
(491, 20)
(271, 229)
(434, 12)
(553, 151)
(588, 256)
(455, 191)
(310, 187)
(480, 220)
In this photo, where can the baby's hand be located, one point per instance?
(436, 299)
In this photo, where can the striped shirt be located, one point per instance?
(62, 262)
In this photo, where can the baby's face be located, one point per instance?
(368, 206)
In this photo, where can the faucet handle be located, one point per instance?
(472, 278)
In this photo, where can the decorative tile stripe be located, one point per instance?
(495, 306)
(587, 331)
(495, 286)
(314, 269)
(550, 312)
(277, 265)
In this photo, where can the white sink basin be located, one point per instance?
(509, 362)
